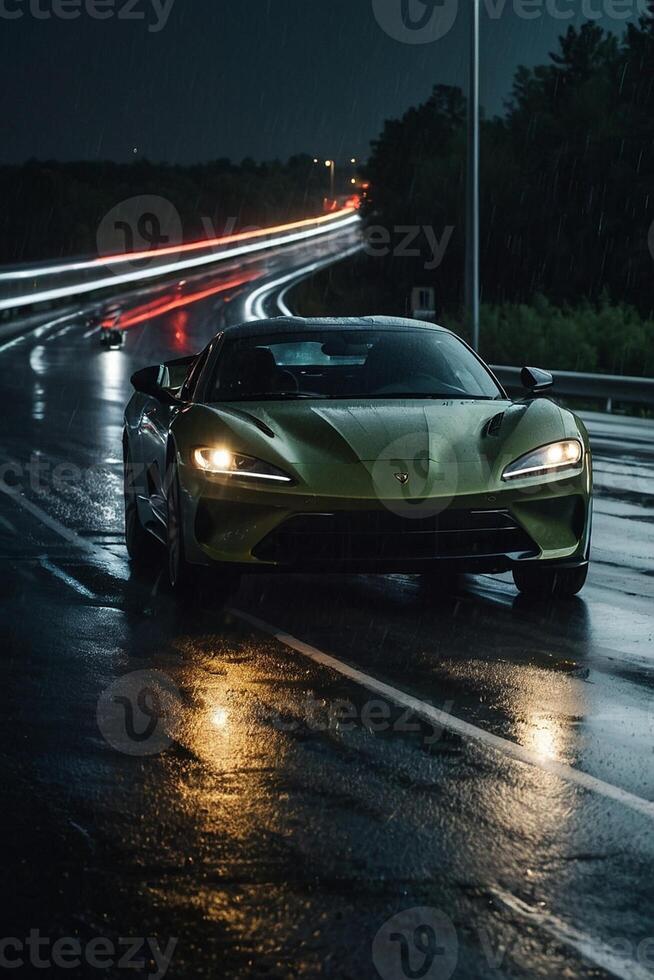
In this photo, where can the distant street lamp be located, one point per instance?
(472, 208)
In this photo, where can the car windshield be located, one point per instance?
(350, 363)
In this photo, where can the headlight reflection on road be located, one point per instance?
(113, 368)
(220, 718)
(545, 732)
(38, 361)
(545, 739)
(38, 403)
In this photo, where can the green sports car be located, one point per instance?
(354, 445)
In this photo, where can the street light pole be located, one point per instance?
(332, 175)
(472, 217)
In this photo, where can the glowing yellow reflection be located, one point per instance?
(219, 718)
(544, 739)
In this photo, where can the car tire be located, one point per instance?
(201, 582)
(546, 583)
(141, 546)
(181, 575)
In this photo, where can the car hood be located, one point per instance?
(364, 449)
(365, 431)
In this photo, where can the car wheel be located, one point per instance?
(141, 546)
(203, 583)
(180, 574)
(545, 583)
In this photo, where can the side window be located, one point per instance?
(189, 386)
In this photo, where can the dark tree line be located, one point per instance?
(50, 209)
(567, 179)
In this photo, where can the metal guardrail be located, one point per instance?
(610, 389)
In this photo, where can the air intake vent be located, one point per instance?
(493, 427)
(351, 536)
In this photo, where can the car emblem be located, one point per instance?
(402, 478)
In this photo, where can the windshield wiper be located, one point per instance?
(260, 396)
(409, 395)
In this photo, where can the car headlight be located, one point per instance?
(224, 462)
(558, 457)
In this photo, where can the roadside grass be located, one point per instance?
(603, 338)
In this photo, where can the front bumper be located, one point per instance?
(291, 530)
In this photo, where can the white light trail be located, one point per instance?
(255, 304)
(107, 282)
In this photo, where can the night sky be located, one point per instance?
(235, 78)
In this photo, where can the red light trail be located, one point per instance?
(166, 305)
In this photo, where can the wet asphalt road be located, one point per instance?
(289, 810)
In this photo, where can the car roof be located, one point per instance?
(296, 324)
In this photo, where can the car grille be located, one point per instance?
(381, 535)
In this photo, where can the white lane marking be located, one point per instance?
(589, 947)
(97, 551)
(37, 331)
(50, 522)
(442, 719)
(67, 579)
(89, 333)
(60, 333)
(282, 305)
(254, 306)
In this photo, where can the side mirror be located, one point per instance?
(536, 380)
(147, 382)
